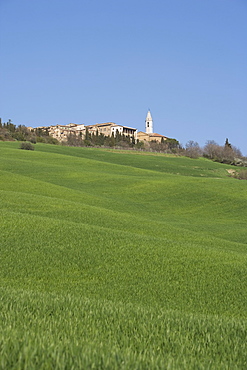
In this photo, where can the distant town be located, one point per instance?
(62, 132)
(108, 134)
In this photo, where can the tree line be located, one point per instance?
(226, 153)
(10, 132)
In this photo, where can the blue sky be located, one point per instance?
(88, 61)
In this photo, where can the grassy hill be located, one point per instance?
(120, 260)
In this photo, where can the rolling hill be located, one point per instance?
(120, 260)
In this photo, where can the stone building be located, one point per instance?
(111, 128)
(61, 132)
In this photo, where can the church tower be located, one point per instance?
(149, 123)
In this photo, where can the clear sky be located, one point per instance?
(89, 61)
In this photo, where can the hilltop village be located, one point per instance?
(63, 132)
(107, 134)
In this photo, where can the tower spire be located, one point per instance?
(149, 123)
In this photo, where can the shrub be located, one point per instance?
(33, 140)
(40, 139)
(51, 140)
(27, 146)
(241, 175)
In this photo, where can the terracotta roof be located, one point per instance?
(156, 135)
(104, 124)
(151, 135)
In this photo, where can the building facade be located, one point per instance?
(111, 128)
(143, 136)
(61, 132)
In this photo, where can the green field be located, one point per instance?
(120, 260)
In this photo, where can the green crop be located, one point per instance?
(120, 260)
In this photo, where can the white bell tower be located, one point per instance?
(149, 123)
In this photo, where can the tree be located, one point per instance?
(192, 149)
(211, 149)
(133, 141)
(227, 144)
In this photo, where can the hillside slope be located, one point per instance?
(140, 258)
